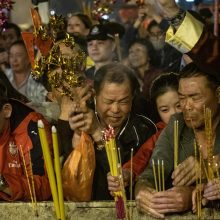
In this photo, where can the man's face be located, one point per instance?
(157, 37)
(195, 94)
(101, 50)
(113, 103)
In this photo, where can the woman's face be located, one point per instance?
(18, 59)
(76, 26)
(113, 104)
(167, 105)
(138, 56)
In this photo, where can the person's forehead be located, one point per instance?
(115, 86)
(17, 47)
(193, 84)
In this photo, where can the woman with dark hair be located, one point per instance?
(115, 86)
(142, 59)
(78, 24)
(20, 74)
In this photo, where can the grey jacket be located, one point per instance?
(164, 149)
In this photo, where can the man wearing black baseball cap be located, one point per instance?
(101, 47)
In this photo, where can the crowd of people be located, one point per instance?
(140, 84)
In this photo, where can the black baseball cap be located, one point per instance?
(99, 32)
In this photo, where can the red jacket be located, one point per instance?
(22, 132)
(142, 157)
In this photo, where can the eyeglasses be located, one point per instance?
(156, 34)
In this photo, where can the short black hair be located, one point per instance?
(18, 42)
(163, 84)
(115, 73)
(3, 94)
(13, 26)
(192, 70)
(153, 23)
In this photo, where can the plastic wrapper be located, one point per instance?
(78, 171)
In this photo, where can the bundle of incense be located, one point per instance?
(209, 139)
(176, 142)
(203, 162)
(158, 175)
(114, 161)
(49, 167)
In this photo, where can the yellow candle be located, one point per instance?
(49, 166)
(58, 172)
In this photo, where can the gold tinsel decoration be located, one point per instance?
(64, 72)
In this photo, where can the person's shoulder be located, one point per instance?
(143, 121)
(19, 112)
(90, 73)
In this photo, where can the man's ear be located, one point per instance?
(7, 110)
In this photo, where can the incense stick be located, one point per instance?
(33, 185)
(209, 145)
(155, 177)
(163, 183)
(176, 142)
(158, 170)
(131, 185)
(26, 174)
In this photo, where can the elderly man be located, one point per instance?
(196, 90)
(20, 151)
(115, 86)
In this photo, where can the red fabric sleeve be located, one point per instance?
(17, 180)
(142, 157)
(20, 189)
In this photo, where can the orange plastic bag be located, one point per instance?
(78, 171)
